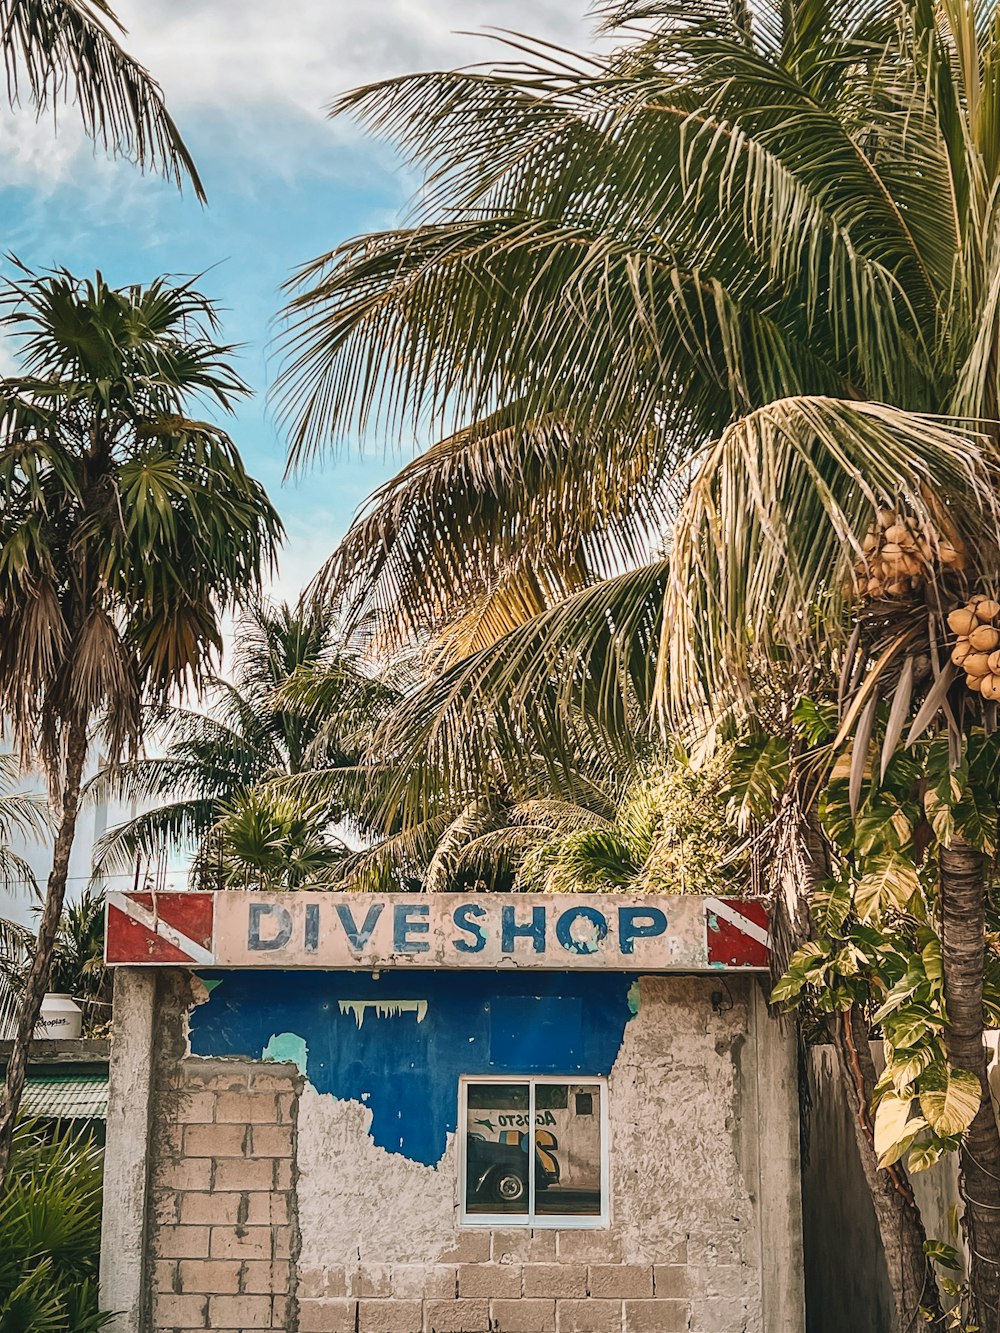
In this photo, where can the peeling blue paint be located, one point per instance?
(406, 1068)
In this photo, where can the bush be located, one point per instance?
(50, 1234)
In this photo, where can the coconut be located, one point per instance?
(985, 638)
(948, 555)
(975, 683)
(962, 621)
(869, 543)
(961, 651)
(887, 517)
(987, 610)
(990, 688)
(976, 664)
(994, 660)
(899, 532)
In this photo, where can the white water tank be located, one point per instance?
(61, 1019)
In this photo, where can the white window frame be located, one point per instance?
(531, 1219)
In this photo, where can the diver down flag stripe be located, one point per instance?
(738, 932)
(160, 928)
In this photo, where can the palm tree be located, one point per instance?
(301, 700)
(710, 287)
(24, 816)
(127, 527)
(69, 51)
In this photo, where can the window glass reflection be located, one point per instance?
(568, 1150)
(496, 1148)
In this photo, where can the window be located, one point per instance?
(561, 1123)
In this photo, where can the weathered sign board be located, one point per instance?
(632, 933)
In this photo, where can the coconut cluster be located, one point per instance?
(898, 555)
(977, 650)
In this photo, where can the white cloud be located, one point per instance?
(301, 54)
(255, 78)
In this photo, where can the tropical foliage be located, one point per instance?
(69, 52)
(50, 1234)
(731, 286)
(301, 701)
(127, 528)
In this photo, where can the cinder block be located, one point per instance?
(555, 1280)
(166, 1209)
(489, 1280)
(212, 1277)
(264, 1208)
(185, 1173)
(371, 1281)
(657, 1317)
(523, 1316)
(508, 1246)
(271, 1141)
(240, 1312)
(672, 1281)
(210, 1209)
(589, 1316)
(215, 1140)
(165, 1275)
(389, 1316)
(272, 1077)
(260, 1276)
(214, 1075)
(719, 1316)
(543, 1246)
(246, 1108)
(317, 1282)
(238, 1173)
(171, 1310)
(196, 1108)
(598, 1247)
(181, 1243)
(728, 1280)
(435, 1282)
(328, 1316)
(456, 1316)
(470, 1247)
(621, 1280)
(254, 1243)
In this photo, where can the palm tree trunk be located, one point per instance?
(804, 867)
(41, 963)
(900, 1225)
(963, 900)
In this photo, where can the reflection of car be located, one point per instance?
(499, 1171)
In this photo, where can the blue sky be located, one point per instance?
(247, 80)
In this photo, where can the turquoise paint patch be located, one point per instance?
(287, 1048)
(632, 997)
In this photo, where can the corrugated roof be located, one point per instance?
(66, 1098)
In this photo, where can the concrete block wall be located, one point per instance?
(221, 1200)
(268, 1206)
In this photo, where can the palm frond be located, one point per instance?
(776, 516)
(70, 51)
